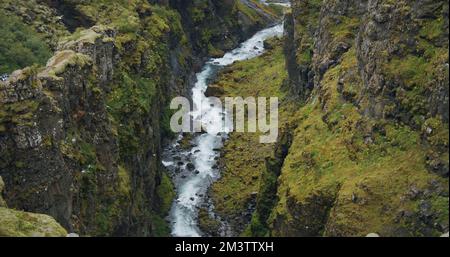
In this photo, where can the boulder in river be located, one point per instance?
(190, 166)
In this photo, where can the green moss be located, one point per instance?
(166, 194)
(23, 224)
(207, 223)
(306, 21)
(243, 156)
(345, 29)
(330, 151)
(20, 46)
(440, 206)
(433, 29)
(124, 181)
(18, 113)
(64, 59)
(159, 226)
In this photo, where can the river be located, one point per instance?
(195, 169)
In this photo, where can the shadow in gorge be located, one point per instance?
(71, 17)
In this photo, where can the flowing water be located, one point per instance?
(194, 170)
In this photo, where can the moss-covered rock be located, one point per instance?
(18, 223)
(24, 224)
(359, 162)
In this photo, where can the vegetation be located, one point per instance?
(20, 46)
(341, 166)
(23, 224)
(337, 169)
(333, 157)
(243, 157)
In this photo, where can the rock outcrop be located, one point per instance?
(370, 152)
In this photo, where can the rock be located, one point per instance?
(414, 193)
(425, 209)
(444, 235)
(190, 166)
(73, 235)
(214, 90)
(268, 45)
(354, 198)
(373, 235)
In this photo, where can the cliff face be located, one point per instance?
(80, 139)
(370, 148)
(215, 26)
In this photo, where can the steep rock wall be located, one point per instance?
(370, 153)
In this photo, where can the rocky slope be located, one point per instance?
(371, 154)
(363, 145)
(80, 138)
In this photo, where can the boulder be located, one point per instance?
(190, 166)
(214, 90)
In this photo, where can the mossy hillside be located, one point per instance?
(41, 21)
(306, 15)
(20, 46)
(243, 156)
(366, 176)
(418, 68)
(345, 174)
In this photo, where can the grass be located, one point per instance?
(20, 46)
(243, 155)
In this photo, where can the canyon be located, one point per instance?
(85, 138)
